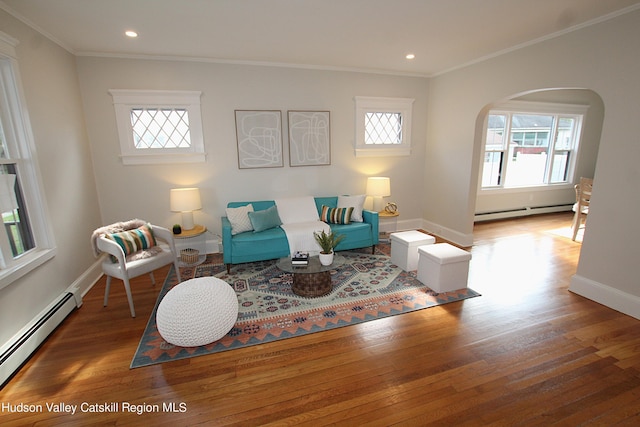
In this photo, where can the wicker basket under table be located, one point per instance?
(313, 279)
(312, 284)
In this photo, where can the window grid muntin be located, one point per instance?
(383, 128)
(160, 128)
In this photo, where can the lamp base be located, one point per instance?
(378, 204)
(187, 220)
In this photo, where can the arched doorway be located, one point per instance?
(513, 202)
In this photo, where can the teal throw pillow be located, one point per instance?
(265, 219)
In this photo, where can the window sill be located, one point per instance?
(27, 263)
(157, 159)
(382, 151)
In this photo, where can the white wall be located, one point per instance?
(603, 58)
(143, 191)
(49, 79)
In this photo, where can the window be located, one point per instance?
(383, 126)
(531, 144)
(25, 238)
(159, 126)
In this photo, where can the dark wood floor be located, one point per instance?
(527, 352)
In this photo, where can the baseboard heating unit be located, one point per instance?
(514, 213)
(18, 350)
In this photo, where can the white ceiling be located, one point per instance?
(367, 35)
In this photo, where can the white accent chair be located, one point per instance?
(125, 269)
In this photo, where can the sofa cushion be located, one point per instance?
(239, 218)
(293, 210)
(265, 219)
(357, 202)
(336, 215)
(355, 232)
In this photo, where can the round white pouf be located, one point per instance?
(197, 312)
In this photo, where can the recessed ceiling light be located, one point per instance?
(131, 34)
(410, 56)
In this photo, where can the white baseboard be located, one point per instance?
(389, 226)
(460, 239)
(606, 295)
(393, 225)
(85, 282)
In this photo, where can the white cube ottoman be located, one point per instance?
(404, 248)
(443, 267)
(197, 312)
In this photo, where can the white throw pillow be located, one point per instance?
(356, 202)
(239, 219)
(297, 209)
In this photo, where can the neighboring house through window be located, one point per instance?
(159, 126)
(531, 144)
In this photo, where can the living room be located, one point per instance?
(86, 185)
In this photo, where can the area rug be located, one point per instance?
(365, 287)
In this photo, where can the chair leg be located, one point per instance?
(127, 289)
(177, 268)
(106, 291)
(575, 226)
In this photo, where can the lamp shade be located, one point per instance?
(185, 199)
(378, 186)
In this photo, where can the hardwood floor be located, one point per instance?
(527, 352)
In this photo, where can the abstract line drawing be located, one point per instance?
(259, 136)
(309, 138)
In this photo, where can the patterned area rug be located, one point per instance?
(365, 287)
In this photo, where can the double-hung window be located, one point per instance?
(531, 144)
(383, 126)
(159, 126)
(25, 236)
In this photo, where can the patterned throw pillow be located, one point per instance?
(239, 219)
(132, 241)
(336, 215)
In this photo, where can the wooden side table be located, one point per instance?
(191, 246)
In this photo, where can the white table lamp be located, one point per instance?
(378, 187)
(185, 200)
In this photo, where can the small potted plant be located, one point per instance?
(327, 242)
(177, 229)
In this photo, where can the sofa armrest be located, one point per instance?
(226, 240)
(371, 217)
(165, 235)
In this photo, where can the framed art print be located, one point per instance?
(309, 138)
(259, 137)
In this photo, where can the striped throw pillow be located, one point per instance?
(132, 241)
(336, 215)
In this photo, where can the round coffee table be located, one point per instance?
(312, 280)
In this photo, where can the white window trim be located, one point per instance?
(31, 181)
(539, 108)
(125, 100)
(369, 104)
